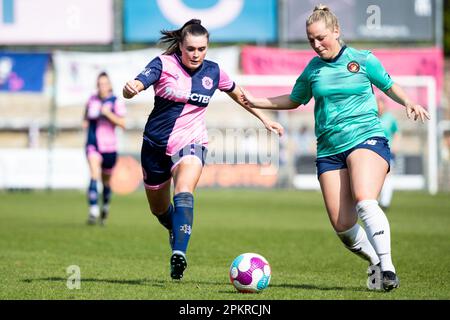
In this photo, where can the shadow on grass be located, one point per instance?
(162, 283)
(315, 287)
(307, 287)
(136, 282)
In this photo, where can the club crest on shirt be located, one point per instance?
(353, 66)
(146, 72)
(207, 83)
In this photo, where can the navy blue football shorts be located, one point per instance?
(338, 161)
(109, 159)
(157, 166)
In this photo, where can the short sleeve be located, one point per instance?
(119, 108)
(377, 74)
(225, 83)
(302, 93)
(151, 73)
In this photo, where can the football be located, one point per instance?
(250, 273)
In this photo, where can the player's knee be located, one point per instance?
(183, 188)
(95, 174)
(362, 196)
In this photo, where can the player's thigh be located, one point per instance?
(340, 205)
(186, 174)
(159, 199)
(367, 171)
(157, 178)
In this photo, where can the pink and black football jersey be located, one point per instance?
(101, 132)
(181, 98)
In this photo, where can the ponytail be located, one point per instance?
(174, 37)
(324, 14)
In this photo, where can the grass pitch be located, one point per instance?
(43, 233)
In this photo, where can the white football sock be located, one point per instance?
(179, 252)
(94, 211)
(355, 239)
(378, 231)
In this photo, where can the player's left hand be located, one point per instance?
(275, 127)
(417, 111)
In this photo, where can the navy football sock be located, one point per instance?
(183, 217)
(106, 195)
(92, 193)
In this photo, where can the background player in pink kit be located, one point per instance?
(104, 111)
(175, 136)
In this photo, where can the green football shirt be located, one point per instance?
(389, 125)
(345, 109)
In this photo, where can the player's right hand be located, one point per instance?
(130, 89)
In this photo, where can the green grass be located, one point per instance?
(41, 234)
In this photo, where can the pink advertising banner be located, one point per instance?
(30, 22)
(397, 62)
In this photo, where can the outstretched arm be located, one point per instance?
(397, 94)
(283, 102)
(273, 126)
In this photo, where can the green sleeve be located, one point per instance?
(377, 74)
(302, 93)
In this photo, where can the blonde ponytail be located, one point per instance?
(323, 13)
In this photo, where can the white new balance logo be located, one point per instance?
(186, 228)
(371, 142)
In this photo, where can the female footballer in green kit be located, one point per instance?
(352, 151)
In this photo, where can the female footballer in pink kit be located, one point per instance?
(175, 136)
(104, 111)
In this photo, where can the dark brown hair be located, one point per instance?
(104, 74)
(174, 37)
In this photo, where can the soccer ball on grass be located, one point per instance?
(250, 273)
